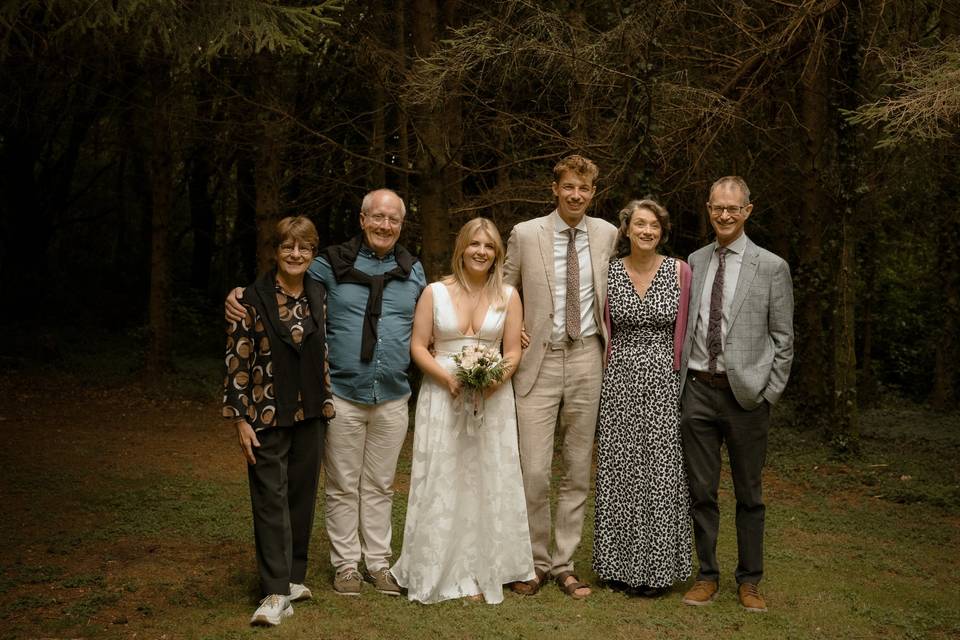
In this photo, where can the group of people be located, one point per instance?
(603, 338)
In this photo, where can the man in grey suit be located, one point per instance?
(559, 262)
(735, 364)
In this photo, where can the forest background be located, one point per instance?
(148, 146)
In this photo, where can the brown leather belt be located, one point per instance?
(715, 380)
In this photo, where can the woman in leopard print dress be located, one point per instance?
(643, 531)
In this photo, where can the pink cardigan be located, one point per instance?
(679, 329)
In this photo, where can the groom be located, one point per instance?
(559, 262)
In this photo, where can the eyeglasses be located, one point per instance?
(287, 248)
(733, 210)
(379, 218)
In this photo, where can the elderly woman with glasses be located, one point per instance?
(277, 395)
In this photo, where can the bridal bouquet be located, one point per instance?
(478, 367)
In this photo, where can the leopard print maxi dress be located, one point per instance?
(643, 529)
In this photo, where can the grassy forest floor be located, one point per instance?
(126, 515)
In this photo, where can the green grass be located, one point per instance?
(855, 549)
(145, 505)
(87, 580)
(90, 605)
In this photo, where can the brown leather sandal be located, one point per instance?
(571, 588)
(529, 587)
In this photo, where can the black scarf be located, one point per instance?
(341, 258)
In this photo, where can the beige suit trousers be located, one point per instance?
(568, 384)
(363, 444)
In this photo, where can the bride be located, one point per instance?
(466, 531)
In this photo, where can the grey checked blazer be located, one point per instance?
(758, 346)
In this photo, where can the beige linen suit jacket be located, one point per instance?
(530, 267)
(758, 346)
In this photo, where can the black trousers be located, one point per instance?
(711, 416)
(283, 492)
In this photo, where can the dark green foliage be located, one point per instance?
(269, 108)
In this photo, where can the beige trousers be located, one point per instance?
(568, 384)
(362, 447)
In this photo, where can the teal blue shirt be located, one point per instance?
(385, 376)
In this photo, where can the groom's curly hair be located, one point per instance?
(583, 167)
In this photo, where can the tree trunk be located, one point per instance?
(378, 175)
(245, 234)
(503, 211)
(814, 205)
(947, 275)
(24, 220)
(867, 383)
(161, 189)
(947, 269)
(267, 176)
(579, 121)
(453, 138)
(844, 427)
(202, 219)
(378, 171)
(403, 126)
(429, 124)
(269, 156)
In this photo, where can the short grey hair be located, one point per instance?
(368, 200)
(734, 180)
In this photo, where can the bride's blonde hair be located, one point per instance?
(494, 285)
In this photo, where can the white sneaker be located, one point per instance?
(272, 610)
(299, 592)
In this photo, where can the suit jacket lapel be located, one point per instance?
(597, 263)
(545, 239)
(748, 271)
(699, 262)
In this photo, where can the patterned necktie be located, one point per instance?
(573, 286)
(714, 340)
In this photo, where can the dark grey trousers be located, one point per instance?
(709, 418)
(283, 492)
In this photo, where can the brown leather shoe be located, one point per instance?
(702, 592)
(750, 598)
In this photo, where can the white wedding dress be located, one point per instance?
(466, 529)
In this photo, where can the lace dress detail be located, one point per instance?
(466, 530)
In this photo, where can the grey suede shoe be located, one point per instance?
(384, 582)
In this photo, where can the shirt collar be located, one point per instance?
(367, 252)
(738, 246)
(280, 290)
(560, 226)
